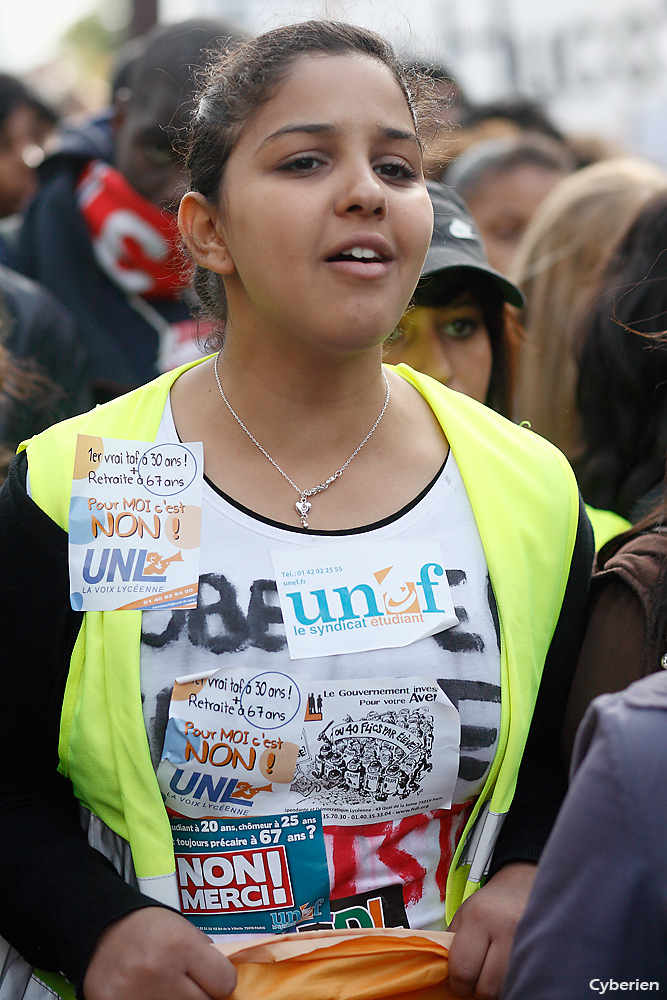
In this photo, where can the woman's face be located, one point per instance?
(22, 133)
(502, 206)
(450, 343)
(324, 219)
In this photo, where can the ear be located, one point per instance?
(201, 229)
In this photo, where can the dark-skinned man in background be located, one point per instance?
(101, 232)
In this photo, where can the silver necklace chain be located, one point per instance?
(303, 505)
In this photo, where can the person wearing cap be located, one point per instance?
(460, 330)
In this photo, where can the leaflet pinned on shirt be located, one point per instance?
(231, 743)
(135, 524)
(352, 597)
(376, 749)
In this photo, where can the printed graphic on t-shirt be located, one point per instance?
(238, 623)
(220, 628)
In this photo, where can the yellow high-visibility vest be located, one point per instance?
(525, 501)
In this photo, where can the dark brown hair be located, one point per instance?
(622, 385)
(243, 80)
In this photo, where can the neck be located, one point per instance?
(309, 413)
(327, 393)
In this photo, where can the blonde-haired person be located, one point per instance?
(561, 257)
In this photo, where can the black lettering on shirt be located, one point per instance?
(472, 737)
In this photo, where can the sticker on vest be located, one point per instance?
(134, 525)
(240, 876)
(377, 749)
(382, 907)
(231, 743)
(359, 596)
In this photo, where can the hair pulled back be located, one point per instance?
(245, 78)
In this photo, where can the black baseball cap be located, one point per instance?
(456, 248)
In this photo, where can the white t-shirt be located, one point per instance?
(238, 621)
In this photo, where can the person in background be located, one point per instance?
(450, 104)
(626, 631)
(26, 125)
(101, 234)
(44, 362)
(512, 117)
(502, 182)
(42, 339)
(521, 114)
(558, 264)
(21, 389)
(508, 119)
(607, 922)
(460, 330)
(622, 377)
(596, 919)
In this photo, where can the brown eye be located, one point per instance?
(459, 329)
(396, 171)
(301, 164)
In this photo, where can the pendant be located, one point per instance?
(302, 508)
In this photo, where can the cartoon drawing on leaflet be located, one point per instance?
(378, 757)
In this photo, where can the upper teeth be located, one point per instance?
(361, 253)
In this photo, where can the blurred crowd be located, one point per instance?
(544, 293)
(95, 293)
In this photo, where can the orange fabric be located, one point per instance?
(342, 965)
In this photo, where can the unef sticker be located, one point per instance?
(364, 595)
(231, 743)
(263, 875)
(134, 525)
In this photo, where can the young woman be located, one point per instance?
(309, 221)
(503, 181)
(620, 464)
(459, 329)
(559, 264)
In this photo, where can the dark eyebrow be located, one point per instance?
(324, 128)
(398, 133)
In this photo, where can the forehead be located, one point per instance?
(343, 90)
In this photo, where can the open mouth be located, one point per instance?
(362, 254)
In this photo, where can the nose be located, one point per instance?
(362, 192)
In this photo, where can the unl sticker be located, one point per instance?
(231, 743)
(134, 524)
